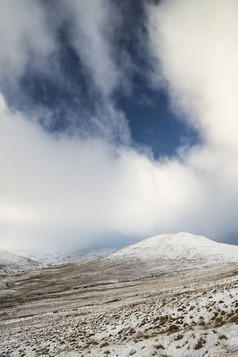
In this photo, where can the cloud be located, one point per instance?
(66, 190)
(91, 30)
(57, 190)
(60, 192)
(25, 37)
(196, 46)
(31, 36)
(196, 50)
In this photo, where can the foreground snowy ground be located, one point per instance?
(119, 307)
(187, 314)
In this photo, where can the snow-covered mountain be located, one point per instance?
(11, 262)
(24, 260)
(162, 253)
(177, 251)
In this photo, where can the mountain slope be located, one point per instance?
(23, 260)
(164, 253)
(11, 263)
(155, 298)
(174, 252)
(179, 246)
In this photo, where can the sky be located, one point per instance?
(118, 121)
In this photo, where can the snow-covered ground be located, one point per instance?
(190, 314)
(23, 260)
(171, 295)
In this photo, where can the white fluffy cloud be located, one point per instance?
(53, 189)
(196, 44)
(63, 192)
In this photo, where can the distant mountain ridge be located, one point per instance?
(23, 260)
(161, 254)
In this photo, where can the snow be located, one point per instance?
(179, 246)
(11, 262)
(183, 249)
(80, 310)
(17, 261)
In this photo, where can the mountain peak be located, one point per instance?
(179, 246)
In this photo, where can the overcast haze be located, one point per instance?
(118, 121)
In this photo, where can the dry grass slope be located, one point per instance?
(95, 309)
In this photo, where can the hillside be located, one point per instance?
(170, 295)
(179, 246)
(19, 261)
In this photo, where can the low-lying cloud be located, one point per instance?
(55, 187)
(60, 191)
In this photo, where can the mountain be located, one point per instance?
(23, 260)
(11, 263)
(159, 254)
(174, 252)
(177, 246)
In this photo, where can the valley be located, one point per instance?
(121, 307)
